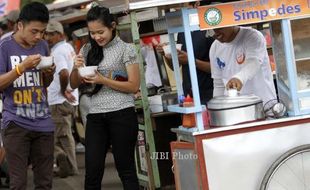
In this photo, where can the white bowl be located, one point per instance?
(46, 61)
(87, 71)
(232, 92)
(167, 49)
(156, 104)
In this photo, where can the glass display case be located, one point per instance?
(291, 39)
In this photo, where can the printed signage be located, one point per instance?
(247, 12)
(7, 5)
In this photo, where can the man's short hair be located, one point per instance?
(34, 11)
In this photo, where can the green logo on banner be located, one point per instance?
(213, 16)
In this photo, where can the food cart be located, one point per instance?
(154, 135)
(239, 156)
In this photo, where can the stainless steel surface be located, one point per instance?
(279, 110)
(248, 125)
(151, 89)
(229, 102)
(169, 98)
(185, 161)
(234, 116)
(231, 110)
(184, 135)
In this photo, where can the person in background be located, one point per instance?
(62, 99)
(12, 19)
(3, 28)
(239, 60)
(27, 128)
(112, 119)
(201, 45)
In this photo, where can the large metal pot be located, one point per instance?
(231, 110)
(151, 90)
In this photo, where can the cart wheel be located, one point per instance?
(291, 171)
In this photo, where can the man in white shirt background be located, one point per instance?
(62, 99)
(11, 19)
(239, 59)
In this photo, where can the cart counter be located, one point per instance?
(237, 157)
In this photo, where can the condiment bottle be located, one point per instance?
(188, 120)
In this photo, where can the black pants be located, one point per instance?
(119, 128)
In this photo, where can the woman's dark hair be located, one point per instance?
(34, 11)
(95, 54)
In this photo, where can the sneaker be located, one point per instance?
(64, 166)
(79, 148)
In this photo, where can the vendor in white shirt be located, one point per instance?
(239, 59)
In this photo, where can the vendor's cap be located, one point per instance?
(54, 26)
(13, 16)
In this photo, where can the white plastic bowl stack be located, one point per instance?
(156, 104)
(87, 71)
(46, 61)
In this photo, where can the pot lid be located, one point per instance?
(229, 102)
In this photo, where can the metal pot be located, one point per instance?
(231, 110)
(151, 90)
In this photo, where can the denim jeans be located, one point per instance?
(21, 145)
(119, 129)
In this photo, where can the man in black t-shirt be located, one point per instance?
(201, 45)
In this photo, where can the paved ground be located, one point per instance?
(110, 180)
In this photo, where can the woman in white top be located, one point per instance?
(112, 119)
(239, 59)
